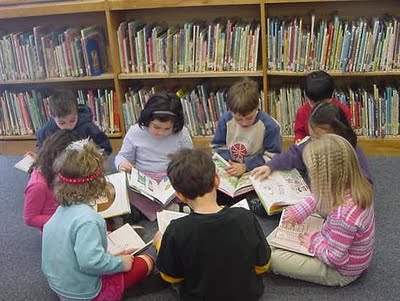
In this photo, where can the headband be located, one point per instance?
(82, 180)
(164, 112)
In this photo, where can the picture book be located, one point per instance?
(124, 238)
(164, 217)
(280, 189)
(286, 235)
(242, 204)
(161, 193)
(231, 185)
(25, 163)
(115, 202)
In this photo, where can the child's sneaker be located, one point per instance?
(257, 208)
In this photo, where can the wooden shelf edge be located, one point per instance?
(216, 74)
(336, 74)
(144, 4)
(33, 137)
(51, 8)
(305, 1)
(104, 76)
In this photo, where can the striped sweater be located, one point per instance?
(346, 240)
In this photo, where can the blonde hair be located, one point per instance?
(80, 159)
(334, 170)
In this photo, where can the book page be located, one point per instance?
(118, 204)
(286, 235)
(124, 238)
(165, 217)
(242, 204)
(142, 183)
(25, 163)
(281, 188)
(165, 192)
(228, 183)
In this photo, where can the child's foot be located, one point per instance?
(257, 208)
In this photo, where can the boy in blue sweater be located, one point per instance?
(66, 114)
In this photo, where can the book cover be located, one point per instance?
(161, 192)
(286, 235)
(231, 185)
(116, 202)
(280, 189)
(25, 163)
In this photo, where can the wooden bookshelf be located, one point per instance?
(109, 13)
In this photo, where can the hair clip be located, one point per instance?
(164, 112)
(78, 145)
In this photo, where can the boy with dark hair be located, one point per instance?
(66, 114)
(216, 253)
(245, 135)
(318, 87)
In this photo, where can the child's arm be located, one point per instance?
(218, 142)
(333, 248)
(91, 254)
(33, 206)
(127, 153)
(263, 251)
(292, 158)
(300, 123)
(299, 212)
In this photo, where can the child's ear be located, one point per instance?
(217, 180)
(181, 197)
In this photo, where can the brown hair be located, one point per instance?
(52, 147)
(63, 103)
(243, 97)
(191, 172)
(334, 170)
(80, 159)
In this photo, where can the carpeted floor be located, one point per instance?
(21, 277)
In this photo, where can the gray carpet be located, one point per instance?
(21, 277)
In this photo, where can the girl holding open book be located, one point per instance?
(158, 133)
(325, 118)
(343, 247)
(75, 259)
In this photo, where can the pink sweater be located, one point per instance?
(40, 204)
(346, 241)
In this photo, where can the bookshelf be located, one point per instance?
(110, 13)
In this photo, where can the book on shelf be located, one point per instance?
(282, 188)
(125, 238)
(231, 185)
(116, 201)
(25, 163)
(286, 235)
(161, 192)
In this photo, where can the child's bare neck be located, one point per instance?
(205, 204)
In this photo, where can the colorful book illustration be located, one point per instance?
(125, 238)
(231, 185)
(165, 217)
(25, 163)
(162, 192)
(280, 189)
(286, 235)
(116, 201)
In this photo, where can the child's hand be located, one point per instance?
(126, 262)
(125, 166)
(305, 239)
(126, 252)
(235, 168)
(289, 217)
(261, 172)
(31, 154)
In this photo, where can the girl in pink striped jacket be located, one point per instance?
(343, 248)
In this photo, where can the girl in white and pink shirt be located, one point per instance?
(343, 247)
(40, 204)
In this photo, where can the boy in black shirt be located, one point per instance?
(217, 253)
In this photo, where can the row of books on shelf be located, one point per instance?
(23, 113)
(374, 110)
(45, 52)
(335, 45)
(230, 45)
(202, 107)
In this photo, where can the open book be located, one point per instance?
(280, 189)
(124, 238)
(115, 202)
(164, 218)
(286, 235)
(161, 193)
(231, 185)
(25, 163)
